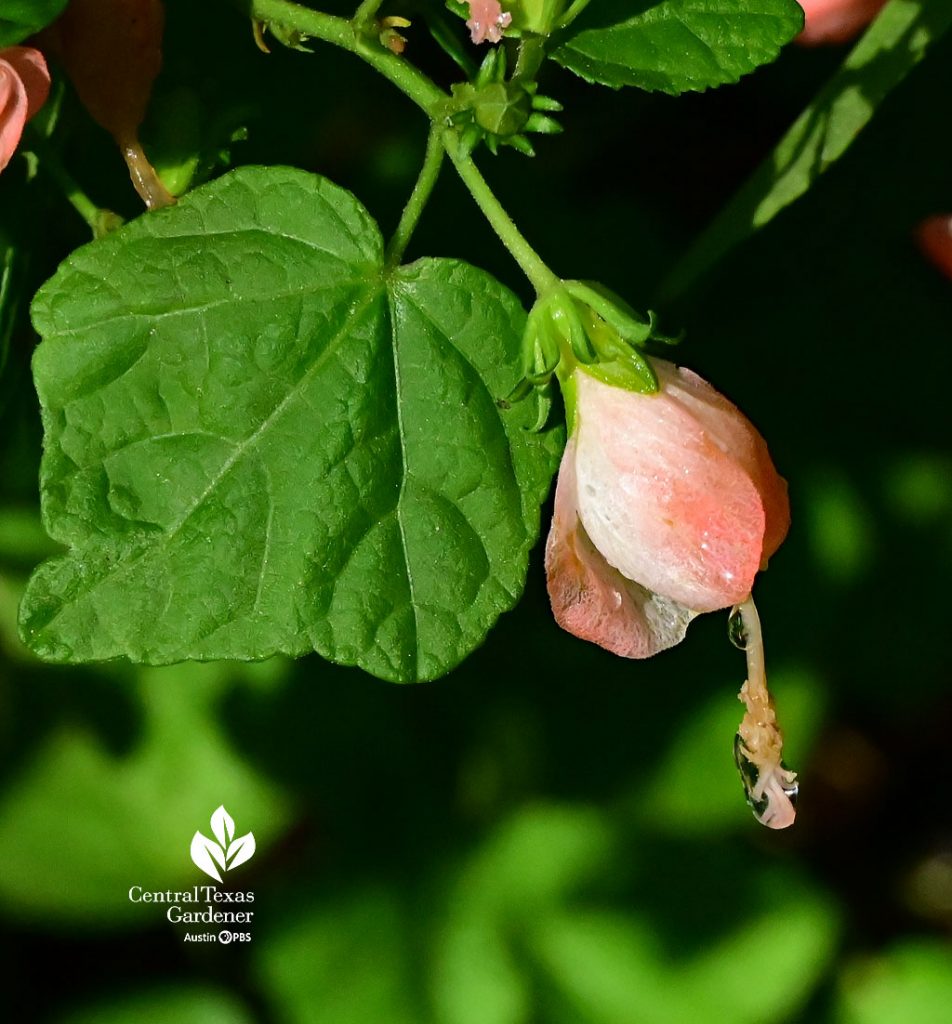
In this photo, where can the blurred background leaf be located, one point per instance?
(182, 1004)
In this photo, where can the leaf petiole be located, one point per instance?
(429, 172)
(99, 220)
(531, 264)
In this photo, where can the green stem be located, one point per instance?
(541, 278)
(429, 172)
(572, 13)
(99, 220)
(340, 32)
(530, 57)
(429, 98)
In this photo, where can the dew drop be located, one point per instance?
(736, 629)
(771, 797)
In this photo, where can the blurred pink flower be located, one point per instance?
(24, 86)
(667, 505)
(934, 236)
(486, 21)
(836, 21)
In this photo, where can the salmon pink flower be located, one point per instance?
(836, 21)
(24, 86)
(667, 506)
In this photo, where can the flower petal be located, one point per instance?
(30, 65)
(592, 600)
(662, 501)
(734, 434)
(836, 21)
(486, 21)
(13, 111)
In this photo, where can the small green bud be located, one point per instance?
(522, 144)
(543, 125)
(502, 108)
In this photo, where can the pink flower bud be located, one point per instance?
(24, 86)
(836, 21)
(667, 505)
(486, 21)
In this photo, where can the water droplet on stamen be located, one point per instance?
(736, 630)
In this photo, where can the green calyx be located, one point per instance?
(498, 111)
(537, 16)
(583, 325)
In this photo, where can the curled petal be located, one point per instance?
(592, 600)
(24, 87)
(13, 107)
(662, 500)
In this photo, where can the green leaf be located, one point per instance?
(80, 825)
(909, 982)
(21, 18)
(613, 969)
(896, 41)
(676, 46)
(259, 439)
(350, 959)
(184, 1004)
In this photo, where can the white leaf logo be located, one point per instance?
(225, 854)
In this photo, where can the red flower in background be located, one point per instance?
(934, 236)
(112, 52)
(836, 21)
(24, 86)
(667, 506)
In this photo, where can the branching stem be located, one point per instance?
(340, 32)
(432, 101)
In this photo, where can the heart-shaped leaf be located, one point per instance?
(261, 439)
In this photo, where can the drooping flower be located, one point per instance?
(667, 506)
(486, 21)
(112, 52)
(934, 236)
(836, 21)
(24, 86)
